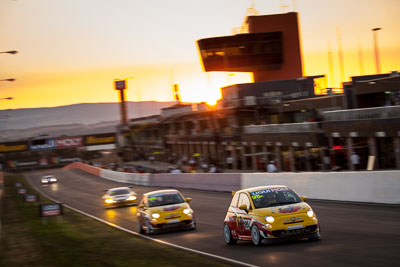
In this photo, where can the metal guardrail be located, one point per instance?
(362, 114)
(283, 128)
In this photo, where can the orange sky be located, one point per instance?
(71, 51)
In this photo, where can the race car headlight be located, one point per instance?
(155, 215)
(132, 198)
(269, 219)
(310, 213)
(44, 181)
(108, 200)
(187, 211)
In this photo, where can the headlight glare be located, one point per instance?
(310, 213)
(132, 198)
(109, 200)
(155, 215)
(187, 211)
(269, 219)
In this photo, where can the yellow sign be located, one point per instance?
(10, 148)
(100, 140)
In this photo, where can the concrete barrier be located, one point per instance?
(372, 187)
(202, 181)
(87, 168)
(124, 177)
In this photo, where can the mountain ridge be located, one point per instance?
(75, 119)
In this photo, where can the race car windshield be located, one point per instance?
(274, 197)
(119, 192)
(164, 199)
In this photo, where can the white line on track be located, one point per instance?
(143, 236)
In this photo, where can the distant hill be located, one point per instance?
(78, 118)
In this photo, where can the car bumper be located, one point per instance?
(307, 231)
(121, 203)
(184, 224)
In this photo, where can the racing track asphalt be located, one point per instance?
(352, 234)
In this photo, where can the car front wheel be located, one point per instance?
(140, 228)
(193, 225)
(148, 230)
(255, 235)
(228, 235)
(315, 236)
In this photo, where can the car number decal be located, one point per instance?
(247, 223)
(243, 223)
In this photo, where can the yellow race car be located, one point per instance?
(164, 210)
(269, 212)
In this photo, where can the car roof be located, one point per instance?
(161, 191)
(256, 188)
(48, 176)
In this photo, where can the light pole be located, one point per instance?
(377, 59)
(120, 85)
(12, 52)
(7, 80)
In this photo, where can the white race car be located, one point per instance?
(120, 196)
(48, 179)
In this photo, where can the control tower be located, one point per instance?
(270, 50)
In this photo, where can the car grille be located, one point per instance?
(297, 232)
(173, 225)
(172, 216)
(292, 222)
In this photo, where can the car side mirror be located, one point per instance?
(188, 199)
(243, 207)
(304, 198)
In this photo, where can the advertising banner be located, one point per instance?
(42, 144)
(21, 191)
(47, 210)
(65, 142)
(55, 160)
(14, 147)
(99, 139)
(31, 198)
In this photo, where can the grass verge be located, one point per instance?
(76, 240)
